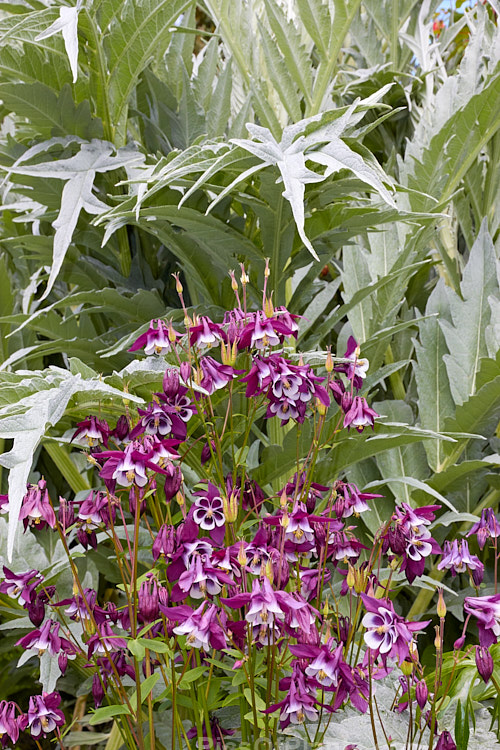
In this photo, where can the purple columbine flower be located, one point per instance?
(217, 732)
(44, 714)
(208, 512)
(205, 332)
(262, 332)
(387, 633)
(10, 725)
(214, 375)
(350, 501)
(355, 369)
(325, 664)
(487, 527)
(457, 558)
(47, 638)
(421, 693)
(155, 420)
(486, 609)
(445, 742)
(267, 608)
(36, 509)
(299, 704)
(204, 630)
(104, 640)
(20, 586)
(157, 339)
(200, 579)
(92, 431)
(409, 536)
(360, 415)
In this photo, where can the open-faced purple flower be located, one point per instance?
(387, 633)
(92, 431)
(10, 724)
(36, 510)
(20, 586)
(157, 339)
(208, 512)
(95, 511)
(360, 415)
(409, 537)
(486, 609)
(44, 714)
(487, 527)
(79, 608)
(457, 558)
(355, 369)
(154, 421)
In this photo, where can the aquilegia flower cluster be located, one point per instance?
(263, 585)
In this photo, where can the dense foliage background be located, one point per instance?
(355, 143)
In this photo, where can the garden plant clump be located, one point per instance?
(253, 601)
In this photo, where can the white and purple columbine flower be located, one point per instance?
(387, 633)
(46, 638)
(44, 714)
(487, 527)
(360, 415)
(92, 431)
(214, 375)
(200, 579)
(104, 640)
(299, 704)
(409, 537)
(157, 339)
(205, 333)
(36, 510)
(204, 629)
(355, 368)
(457, 558)
(325, 661)
(20, 586)
(10, 724)
(262, 332)
(208, 512)
(486, 610)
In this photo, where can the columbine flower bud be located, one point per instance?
(320, 408)
(421, 693)
(437, 640)
(268, 571)
(459, 643)
(268, 308)
(242, 555)
(178, 286)
(185, 370)
(351, 576)
(329, 361)
(171, 383)
(441, 606)
(234, 283)
(406, 667)
(484, 662)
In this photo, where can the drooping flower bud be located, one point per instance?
(484, 662)
(185, 371)
(171, 383)
(445, 742)
(459, 643)
(421, 693)
(173, 481)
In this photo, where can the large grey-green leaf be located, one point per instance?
(79, 172)
(465, 335)
(135, 37)
(433, 386)
(26, 421)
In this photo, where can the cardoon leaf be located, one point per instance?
(290, 44)
(315, 16)
(67, 23)
(79, 172)
(433, 386)
(27, 421)
(470, 315)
